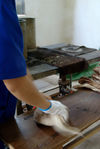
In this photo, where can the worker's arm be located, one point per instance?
(31, 78)
(25, 90)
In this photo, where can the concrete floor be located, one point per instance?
(92, 143)
(51, 82)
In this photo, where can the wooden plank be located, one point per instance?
(42, 70)
(84, 108)
(70, 49)
(65, 63)
(92, 56)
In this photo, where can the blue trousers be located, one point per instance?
(7, 103)
(7, 106)
(2, 145)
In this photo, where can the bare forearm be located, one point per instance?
(25, 90)
(29, 75)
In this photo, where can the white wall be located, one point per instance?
(87, 23)
(70, 21)
(50, 20)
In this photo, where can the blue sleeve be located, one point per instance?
(12, 62)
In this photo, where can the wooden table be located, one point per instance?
(24, 133)
(43, 70)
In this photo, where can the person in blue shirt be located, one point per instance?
(14, 81)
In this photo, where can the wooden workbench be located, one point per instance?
(43, 69)
(24, 133)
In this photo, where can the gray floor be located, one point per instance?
(91, 143)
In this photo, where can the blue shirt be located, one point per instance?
(12, 62)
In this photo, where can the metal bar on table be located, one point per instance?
(70, 81)
(84, 133)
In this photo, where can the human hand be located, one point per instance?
(57, 108)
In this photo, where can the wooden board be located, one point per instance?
(91, 57)
(24, 133)
(73, 50)
(42, 70)
(65, 63)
